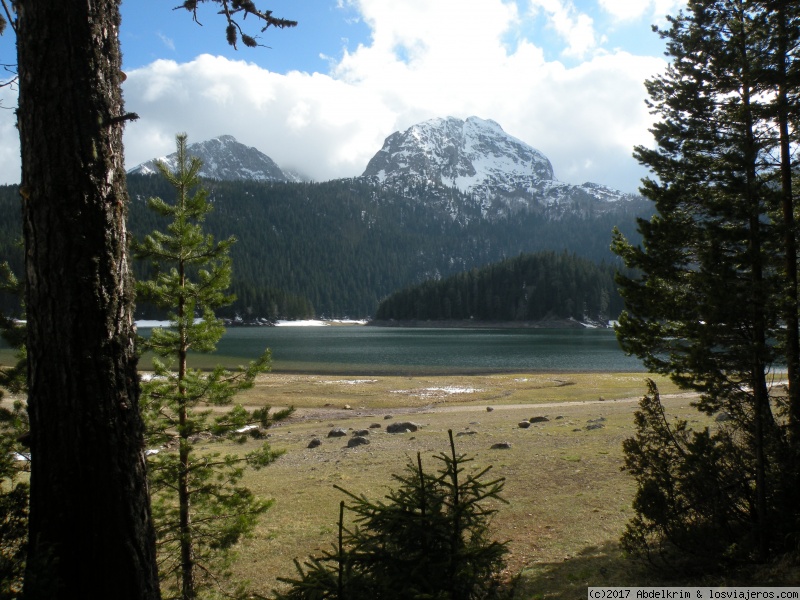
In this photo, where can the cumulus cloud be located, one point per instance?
(311, 122)
(575, 27)
(631, 10)
(9, 136)
(452, 58)
(424, 59)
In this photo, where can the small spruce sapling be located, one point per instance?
(200, 508)
(692, 495)
(430, 539)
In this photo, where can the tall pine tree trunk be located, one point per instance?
(791, 298)
(184, 497)
(90, 529)
(762, 415)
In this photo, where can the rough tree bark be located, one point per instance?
(90, 530)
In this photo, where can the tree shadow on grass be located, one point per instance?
(594, 566)
(608, 566)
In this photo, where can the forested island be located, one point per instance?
(545, 287)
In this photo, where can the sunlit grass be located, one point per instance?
(370, 392)
(569, 499)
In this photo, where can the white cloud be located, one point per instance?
(574, 27)
(300, 120)
(9, 136)
(631, 10)
(626, 10)
(167, 41)
(425, 59)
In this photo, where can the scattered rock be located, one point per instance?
(539, 420)
(337, 432)
(361, 432)
(347, 407)
(357, 441)
(559, 417)
(524, 424)
(402, 427)
(460, 433)
(489, 409)
(501, 446)
(375, 426)
(387, 417)
(594, 426)
(316, 442)
(723, 416)
(598, 420)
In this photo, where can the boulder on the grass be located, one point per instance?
(358, 440)
(316, 442)
(402, 427)
(501, 446)
(337, 432)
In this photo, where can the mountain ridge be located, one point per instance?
(476, 156)
(502, 174)
(225, 159)
(457, 153)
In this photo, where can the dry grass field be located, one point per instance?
(568, 499)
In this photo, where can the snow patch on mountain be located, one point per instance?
(477, 157)
(461, 154)
(225, 158)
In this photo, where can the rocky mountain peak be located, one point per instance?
(466, 154)
(226, 159)
(476, 156)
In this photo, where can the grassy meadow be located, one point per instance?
(568, 499)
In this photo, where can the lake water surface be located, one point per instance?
(359, 349)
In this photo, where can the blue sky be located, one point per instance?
(565, 76)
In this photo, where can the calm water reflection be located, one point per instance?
(358, 349)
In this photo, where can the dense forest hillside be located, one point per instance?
(530, 287)
(337, 248)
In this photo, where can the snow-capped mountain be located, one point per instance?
(226, 159)
(471, 169)
(477, 157)
(461, 154)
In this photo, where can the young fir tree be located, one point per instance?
(710, 295)
(429, 540)
(200, 508)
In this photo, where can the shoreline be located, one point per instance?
(404, 323)
(475, 324)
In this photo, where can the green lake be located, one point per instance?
(379, 350)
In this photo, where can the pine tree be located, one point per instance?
(430, 539)
(91, 534)
(200, 508)
(709, 297)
